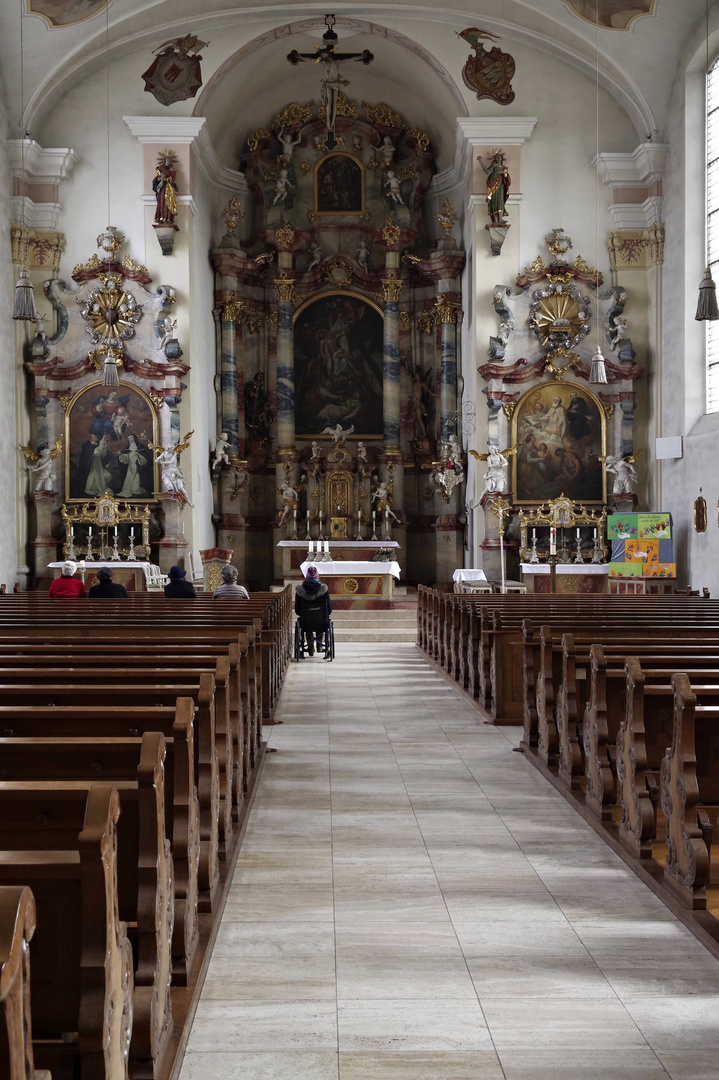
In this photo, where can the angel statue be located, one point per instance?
(288, 143)
(384, 497)
(625, 475)
(495, 478)
(338, 434)
(290, 501)
(221, 456)
(172, 477)
(316, 451)
(45, 479)
(394, 191)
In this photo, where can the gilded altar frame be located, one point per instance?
(558, 388)
(108, 512)
(561, 513)
(122, 388)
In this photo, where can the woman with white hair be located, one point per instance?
(67, 585)
(229, 589)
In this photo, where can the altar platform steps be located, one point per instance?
(399, 624)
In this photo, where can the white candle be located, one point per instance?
(132, 533)
(577, 534)
(116, 532)
(294, 515)
(374, 514)
(72, 533)
(552, 541)
(308, 515)
(89, 532)
(595, 534)
(327, 547)
(534, 534)
(312, 546)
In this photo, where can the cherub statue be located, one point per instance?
(619, 330)
(454, 451)
(361, 452)
(392, 183)
(386, 150)
(172, 477)
(316, 451)
(362, 255)
(625, 475)
(45, 479)
(338, 434)
(290, 501)
(317, 255)
(288, 143)
(167, 330)
(282, 188)
(221, 456)
(495, 478)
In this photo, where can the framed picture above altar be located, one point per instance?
(107, 431)
(338, 365)
(339, 185)
(559, 430)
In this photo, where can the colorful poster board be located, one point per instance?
(659, 570)
(655, 526)
(625, 569)
(623, 527)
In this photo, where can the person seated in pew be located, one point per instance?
(312, 591)
(106, 587)
(177, 586)
(229, 589)
(67, 585)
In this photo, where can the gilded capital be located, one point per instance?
(285, 286)
(446, 308)
(285, 236)
(391, 289)
(232, 309)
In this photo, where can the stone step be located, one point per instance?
(374, 633)
(367, 617)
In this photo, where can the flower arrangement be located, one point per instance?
(383, 555)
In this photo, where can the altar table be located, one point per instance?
(294, 552)
(462, 574)
(358, 584)
(571, 577)
(133, 575)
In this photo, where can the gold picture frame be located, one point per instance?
(318, 169)
(564, 457)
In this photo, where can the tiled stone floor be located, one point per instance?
(414, 902)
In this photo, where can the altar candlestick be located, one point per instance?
(552, 541)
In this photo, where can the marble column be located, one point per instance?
(391, 288)
(285, 361)
(230, 314)
(446, 308)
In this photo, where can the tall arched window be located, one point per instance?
(713, 229)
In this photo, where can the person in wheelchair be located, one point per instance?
(313, 607)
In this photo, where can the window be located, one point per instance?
(713, 230)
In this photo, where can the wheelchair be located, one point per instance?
(314, 620)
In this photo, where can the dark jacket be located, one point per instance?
(180, 587)
(107, 590)
(310, 591)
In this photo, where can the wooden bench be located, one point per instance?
(80, 956)
(18, 919)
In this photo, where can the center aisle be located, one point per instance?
(413, 901)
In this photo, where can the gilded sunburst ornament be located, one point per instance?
(110, 313)
(559, 316)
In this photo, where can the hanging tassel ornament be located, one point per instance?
(597, 370)
(24, 306)
(707, 309)
(109, 370)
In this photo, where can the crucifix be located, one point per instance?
(332, 81)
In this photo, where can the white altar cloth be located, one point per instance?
(468, 575)
(566, 568)
(96, 564)
(336, 569)
(372, 545)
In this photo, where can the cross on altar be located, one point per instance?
(332, 81)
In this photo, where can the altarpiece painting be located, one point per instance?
(107, 431)
(559, 430)
(338, 365)
(339, 185)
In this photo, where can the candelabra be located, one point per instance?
(89, 557)
(359, 526)
(578, 557)
(71, 549)
(533, 556)
(116, 556)
(374, 525)
(597, 556)
(132, 557)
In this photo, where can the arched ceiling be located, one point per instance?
(637, 65)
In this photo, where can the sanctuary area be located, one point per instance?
(359, 554)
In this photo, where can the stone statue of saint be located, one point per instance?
(498, 181)
(258, 416)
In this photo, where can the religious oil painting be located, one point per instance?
(66, 12)
(611, 14)
(338, 365)
(559, 430)
(107, 431)
(339, 185)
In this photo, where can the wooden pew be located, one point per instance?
(48, 815)
(17, 926)
(80, 956)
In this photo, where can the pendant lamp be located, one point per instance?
(24, 304)
(597, 368)
(707, 308)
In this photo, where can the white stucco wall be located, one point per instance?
(12, 479)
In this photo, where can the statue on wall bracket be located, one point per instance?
(165, 187)
(490, 71)
(498, 183)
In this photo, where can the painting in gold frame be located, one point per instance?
(560, 431)
(339, 184)
(107, 430)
